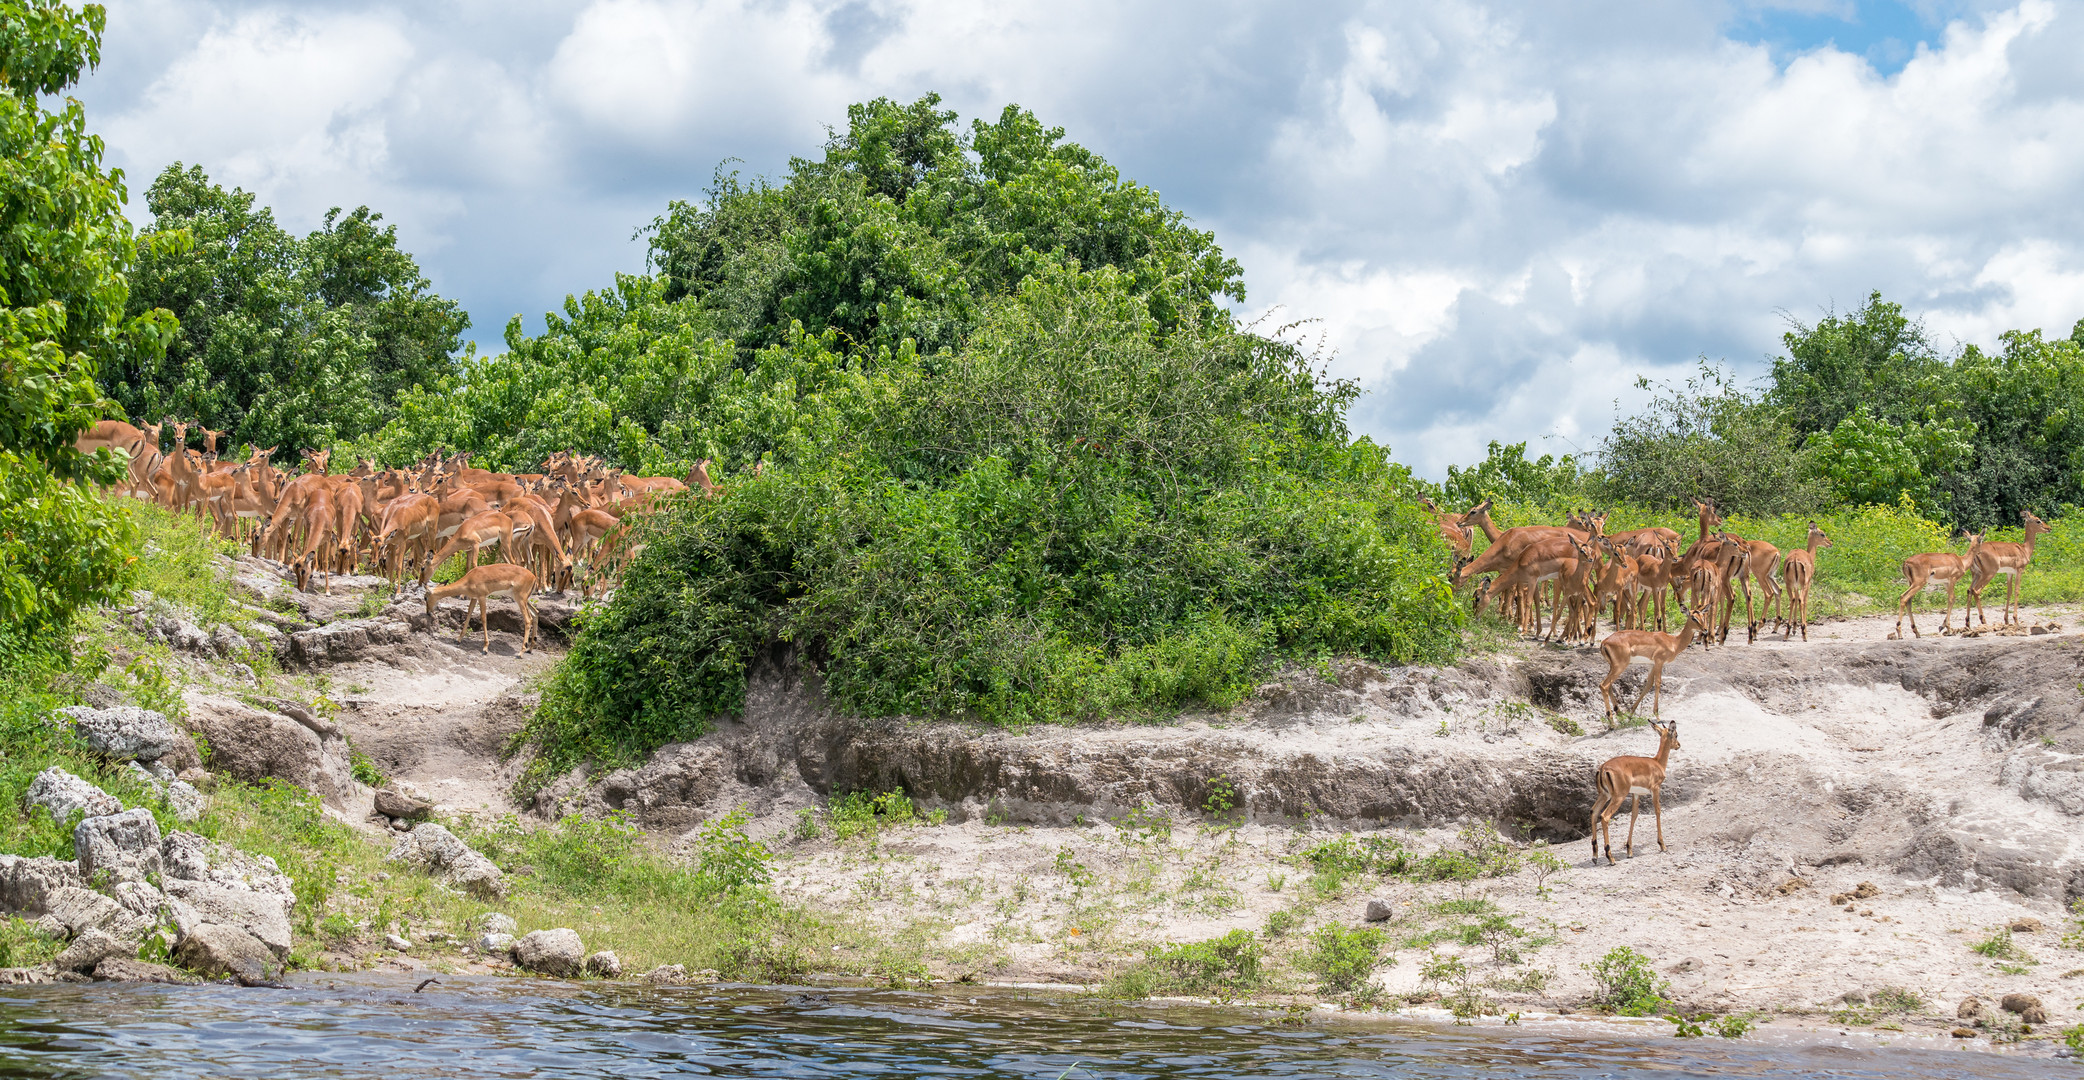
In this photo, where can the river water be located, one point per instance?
(371, 1027)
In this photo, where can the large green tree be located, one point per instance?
(65, 251)
(283, 340)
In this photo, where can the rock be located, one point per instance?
(139, 898)
(1972, 1008)
(495, 942)
(394, 805)
(27, 883)
(264, 916)
(1378, 911)
(185, 855)
(556, 952)
(63, 795)
(346, 641)
(438, 851)
(91, 948)
(1854, 997)
(253, 745)
(2027, 1006)
(496, 922)
(124, 969)
(211, 885)
(1963, 1033)
(2026, 925)
(604, 964)
(667, 975)
(396, 943)
(214, 949)
(28, 976)
(78, 910)
(182, 798)
(225, 641)
(118, 847)
(128, 733)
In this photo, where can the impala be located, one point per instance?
(2008, 560)
(479, 586)
(1930, 571)
(1628, 646)
(1801, 574)
(1631, 778)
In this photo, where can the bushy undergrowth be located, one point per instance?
(1861, 572)
(1223, 967)
(1077, 516)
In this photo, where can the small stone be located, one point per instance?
(1971, 1008)
(437, 850)
(126, 732)
(495, 943)
(604, 965)
(2027, 1006)
(667, 975)
(2026, 925)
(557, 952)
(91, 948)
(496, 922)
(216, 949)
(1378, 911)
(391, 804)
(1854, 997)
(1963, 1033)
(396, 943)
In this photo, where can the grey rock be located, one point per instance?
(30, 976)
(346, 641)
(496, 922)
(118, 847)
(1378, 911)
(253, 745)
(128, 733)
(180, 796)
(51, 927)
(78, 910)
(27, 883)
(604, 965)
(557, 952)
(214, 949)
(495, 942)
(439, 852)
(396, 943)
(123, 969)
(225, 641)
(64, 795)
(139, 898)
(91, 948)
(1854, 997)
(668, 975)
(185, 855)
(264, 916)
(391, 804)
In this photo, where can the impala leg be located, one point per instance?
(1657, 806)
(1635, 809)
(1947, 624)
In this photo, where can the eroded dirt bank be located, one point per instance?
(1943, 773)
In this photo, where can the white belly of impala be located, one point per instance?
(1638, 790)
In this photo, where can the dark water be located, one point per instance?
(486, 1028)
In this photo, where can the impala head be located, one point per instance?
(1667, 733)
(1817, 537)
(1597, 520)
(2034, 526)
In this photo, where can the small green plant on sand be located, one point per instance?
(726, 859)
(2000, 946)
(861, 812)
(1343, 958)
(1627, 984)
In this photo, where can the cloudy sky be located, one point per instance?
(1499, 214)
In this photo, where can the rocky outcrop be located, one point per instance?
(126, 969)
(89, 949)
(180, 796)
(347, 640)
(118, 847)
(128, 733)
(256, 744)
(230, 910)
(27, 884)
(438, 851)
(557, 952)
(63, 795)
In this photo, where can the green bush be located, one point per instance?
(1627, 984)
(1343, 958)
(1225, 967)
(727, 860)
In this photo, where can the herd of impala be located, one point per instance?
(1583, 573)
(563, 526)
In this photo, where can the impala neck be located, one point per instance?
(1664, 749)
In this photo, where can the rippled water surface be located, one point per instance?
(492, 1028)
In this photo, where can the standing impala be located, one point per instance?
(2008, 560)
(479, 586)
(1930, 571)
(1628, 646)
(1800, 575)
(1631, 778)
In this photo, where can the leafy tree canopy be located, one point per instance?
(65, 250)
(283, 340)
